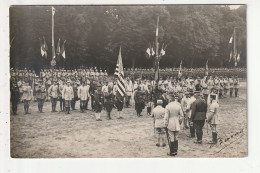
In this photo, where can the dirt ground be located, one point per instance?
(78, 135)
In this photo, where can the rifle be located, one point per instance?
(167, 135)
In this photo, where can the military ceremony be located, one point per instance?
(128, 81)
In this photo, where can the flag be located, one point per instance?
(152, 52)
(42, 51)
(58, 48)
(231, 39)
(62, 51)
(119, 73)
(207, 69)
(45, 47)
(162, 53)
(148, 53)
(230, 56)
(180, 70)
(238, 57)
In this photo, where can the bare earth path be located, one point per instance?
(78, 135)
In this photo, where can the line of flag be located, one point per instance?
(234, 53)
(60, 51)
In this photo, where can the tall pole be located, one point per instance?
(156, 38)
(234, 41)
(52, 38)
(156, 61)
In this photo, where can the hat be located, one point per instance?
(159, 102)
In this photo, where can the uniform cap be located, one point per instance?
(159, 102)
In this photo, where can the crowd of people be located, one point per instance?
(173, 101)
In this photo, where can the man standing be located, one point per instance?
(98, 97)
(129, 91)
(83, 94)
(109, 101)
(15, 96)
(173, 120)
(231, 86)
(62, 101)
(191, 99)
(27, 96)
(139, 101)
(184, 104)
(158, 113)
(68, 94)
(75, 95)
(198, 116)
(212, 116)
(236, 86)
(40, 95)
(53, 93)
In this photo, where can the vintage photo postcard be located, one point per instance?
(128, 81)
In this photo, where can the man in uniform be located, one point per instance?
(53, 93)
(198, 116)
(83, 94)
(27, 96)
(75, 98)
(98, 97)
(212, 116)
(109, 101)
(191, 99)
(62, 101)
(158, 113)
(67, 94)
(184, 104)
(231, 86)
(173, 120)
(15, 96)
(236, 86)
(129, 91)
(40, 95)
(139, 101)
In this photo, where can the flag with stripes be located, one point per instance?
(119, 73)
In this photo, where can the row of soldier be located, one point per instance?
(148, 94)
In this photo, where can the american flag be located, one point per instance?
(120, 75)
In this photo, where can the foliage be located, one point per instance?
(93, 34)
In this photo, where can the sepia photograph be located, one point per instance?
(128, 81)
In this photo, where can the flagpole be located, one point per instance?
(52, 40)
(234, 53)
(156, 52)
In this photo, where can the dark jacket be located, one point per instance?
(199, 110)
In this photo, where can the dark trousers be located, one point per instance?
(127, 100)
(231, 92)
(14, 106)
(73, 103)
(236, 91)
(62, 103)
(83, 104)
(87, 104)
(198, 125)
(92, 101)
